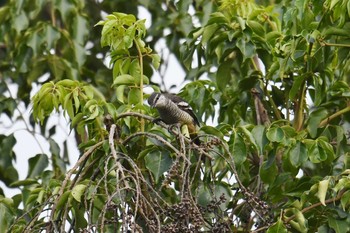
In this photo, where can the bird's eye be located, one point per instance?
(157, 98)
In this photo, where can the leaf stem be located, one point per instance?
(141, 80)
(331, 200)
(323, 43)
(335, 115)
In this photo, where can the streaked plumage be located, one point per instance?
(173, 109)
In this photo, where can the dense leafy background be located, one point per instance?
(273, 74)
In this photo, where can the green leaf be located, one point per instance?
(120, 93)
(314, 120)
(80, 23)
(275, 134)
(134, 96)
(223, 75)
(238, 148)
(271, 37)
(334, 31)
(155, 61)
(208, 32)
(25, 182)
(158, 162)
(219, 18)
(79, 216)
(297, 82)
(322, 191)
(21, 22)
(316, 153)
(4, 13)
(297, 154)
(63, 200)
(78, 192)
(256, 27)
(248, 136)
(212, 131)
(277, 227)
(345, 200)
(7, 214)
(338, 225)
(58, 67)
(125, 79)
(300, 221)
(37, 164)
(268, 173)
(259, 136)
(221, 189)
(135, 69)
(111, 109)
(246, 48)
(204, 196)
(8, 174)
(124, 66)
(77, 119)
(327, 148)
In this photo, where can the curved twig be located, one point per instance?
(306, 209)
(70, 173)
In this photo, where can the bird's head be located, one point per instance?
(157, 100)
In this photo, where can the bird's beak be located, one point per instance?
(151, 105)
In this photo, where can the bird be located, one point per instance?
(174, 110)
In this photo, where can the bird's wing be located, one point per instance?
(184, 106)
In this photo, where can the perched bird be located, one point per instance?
(173, 109)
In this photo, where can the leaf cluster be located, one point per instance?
(274, 78)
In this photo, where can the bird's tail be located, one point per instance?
(191, 133)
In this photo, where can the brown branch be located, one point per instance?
(262, 117)
(251, 199)
(264, 228)
(136, 114)
(68, 175)
(306, 209)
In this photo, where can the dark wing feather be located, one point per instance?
(183, 105)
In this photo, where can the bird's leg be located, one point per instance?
(157, 120)
(177, 126)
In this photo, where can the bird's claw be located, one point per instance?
(157, 120)
(171, 127)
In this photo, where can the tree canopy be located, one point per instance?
(273, 75)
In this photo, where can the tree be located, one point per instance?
(275, 71)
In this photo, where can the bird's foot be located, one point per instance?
(157, 120)
(174, 127)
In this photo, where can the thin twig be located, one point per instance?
(70, 173)
(157, 137)
(306, 209)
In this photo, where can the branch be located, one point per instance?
(136, 114)
(165, 126)
(157, 137)
(141, 80)
(69, 174)
(299, 108)
(335, 115)
(306, 209)
(323, 43)
(252, 200)
(261, 229)
(114, 153)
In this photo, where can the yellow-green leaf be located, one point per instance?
(322, 191)
(78, 191)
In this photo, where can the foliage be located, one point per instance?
(274, 74)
